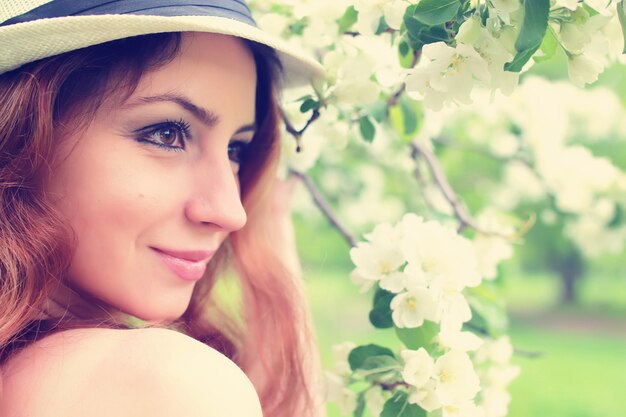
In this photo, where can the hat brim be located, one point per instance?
(30, 41)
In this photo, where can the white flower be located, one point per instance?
(501, 376)
(467, 409)
(492, 249)
(495, 402)
(446, 261)
(411, 308)
(573, 187)
(394, 13)
(457, 340)
(446, 74)
(495, 54)
(359, 280)
(457, 382)
(425, 396)
(339, 394)
(454, 311)
(273, 23)
(353, 85)
(376, 261)
(604, 7)
(375, 400)
(340, 354)
(583, 70)
(418, 367)
(370, 12)
(593, 238)
(498, 351)
(469, 31)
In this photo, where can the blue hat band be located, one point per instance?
(232, 9)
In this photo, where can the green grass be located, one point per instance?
(580, 373)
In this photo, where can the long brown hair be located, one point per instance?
(269, 335)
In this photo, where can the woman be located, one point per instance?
(137, 155)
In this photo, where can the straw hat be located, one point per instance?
(35, 29)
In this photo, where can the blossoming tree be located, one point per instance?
(408, 79)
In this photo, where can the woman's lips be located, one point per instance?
(189, 265)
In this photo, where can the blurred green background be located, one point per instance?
(572, 350)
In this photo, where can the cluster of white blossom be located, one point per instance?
(447, 74)
(427, 266)
(493, 363)
(548, 154)
(591, 40)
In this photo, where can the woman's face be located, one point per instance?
(150, 188)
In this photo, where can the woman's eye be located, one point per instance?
(237, 151)
(169, 135)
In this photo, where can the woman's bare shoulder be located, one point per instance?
(106, 372)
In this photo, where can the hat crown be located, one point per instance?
(12, 8)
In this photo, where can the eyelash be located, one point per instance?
(180, 126)
(184, 129)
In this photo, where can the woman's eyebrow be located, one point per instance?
(207, 117)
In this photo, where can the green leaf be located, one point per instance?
(410, 116)
(435, 12)
(367, 128)
(405, 54)
(520, 60)
(618, 218)
(621, 13)
(548, 47)
(309, 104)
(413, 28)
(535, 24)
(297, 28)
(531, 35)
(360, 354)
(378, 362)
(349, 18)
(398, 406)
(405, 117)
(380, 316)
(360, 405)
(418, 337)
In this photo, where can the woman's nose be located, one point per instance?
(215, 198)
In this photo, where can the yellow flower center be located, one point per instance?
(445, 376)
(385, 267)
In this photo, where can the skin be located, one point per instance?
(124, 197)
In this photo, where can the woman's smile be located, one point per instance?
(188, 265)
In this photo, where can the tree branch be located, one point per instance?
(297, 134)
(324, 206)
(460, 212)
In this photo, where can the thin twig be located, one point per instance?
(528, 353)
(391, 386)
(460, 212)
(297, 133)
(324, 206)
(393, 99)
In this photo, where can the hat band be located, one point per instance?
(232, 9)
